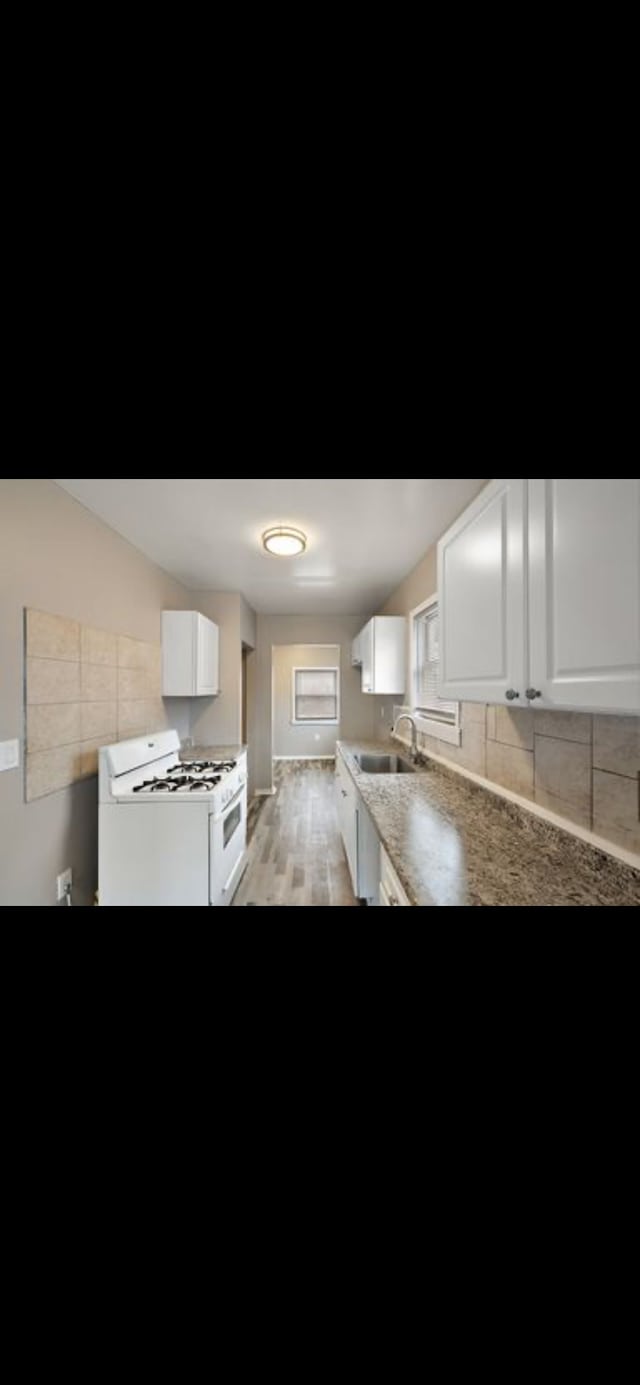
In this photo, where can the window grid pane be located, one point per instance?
(316, 709)
(316, 682)
(427, 676)
(316, 695)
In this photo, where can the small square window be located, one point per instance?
(316, 696)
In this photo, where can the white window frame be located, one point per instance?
(450, 732)
(315, 668)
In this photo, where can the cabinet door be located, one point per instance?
(482, 599)
(206, 657)
(348, 819)
(584, 556)
(389, 661)
(178, 664)
(368, 855)
(367, 653)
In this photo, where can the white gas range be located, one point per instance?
(171, 832)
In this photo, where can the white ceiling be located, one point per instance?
(364, 536)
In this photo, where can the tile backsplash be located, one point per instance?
(583, 768)
(84, 688)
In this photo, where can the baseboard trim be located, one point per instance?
(264, 793)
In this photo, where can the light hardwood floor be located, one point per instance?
(296, 854)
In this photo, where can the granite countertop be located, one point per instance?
(213, 752)
(453, 842)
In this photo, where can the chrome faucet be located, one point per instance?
(404, 716)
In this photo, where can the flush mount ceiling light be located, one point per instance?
(284, 541)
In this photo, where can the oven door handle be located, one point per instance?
(227, 887)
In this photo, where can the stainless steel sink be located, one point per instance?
(384, 764)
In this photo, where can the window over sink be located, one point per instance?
(433, 715)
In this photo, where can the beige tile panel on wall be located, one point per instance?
(98, 683)
(616, 808)
(583, 768)
(136, 684)
(513, 727)
(98, 647)
(53, 725)
(136, 718)
(616, 745)
(98, 719)
(511, 767)
(138, 654)
(563, 778)
(52, 681)
(85, 688)
(52, 637)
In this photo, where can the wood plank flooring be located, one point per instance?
(296, 854)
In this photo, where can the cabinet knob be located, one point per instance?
(344, 793)
(511, 695)
(532, 694)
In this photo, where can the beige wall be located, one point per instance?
(358, 711)
(300, 741)
(421, 583)
(56, 556)
(248, 627)
(583, 768)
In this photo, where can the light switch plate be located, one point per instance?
(9, 755)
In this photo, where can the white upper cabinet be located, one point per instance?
(540, 596)
(190, 655)
(584, 594)
(366, 653)
(482, 598)
(381, 649)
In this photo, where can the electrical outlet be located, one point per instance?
(64, 884)
(382, 714)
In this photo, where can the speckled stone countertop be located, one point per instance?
(452, 842)
(213, 752)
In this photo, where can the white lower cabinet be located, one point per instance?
(359, 836)
(347, 799)
(368, 856)
(539, 590)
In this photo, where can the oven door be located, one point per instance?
(228, 849)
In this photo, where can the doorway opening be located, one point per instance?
(305, 703)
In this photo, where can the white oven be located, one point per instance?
(171, 832)
(228, 834)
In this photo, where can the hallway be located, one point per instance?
(296, 854)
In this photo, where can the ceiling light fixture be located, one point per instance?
(284, 541)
